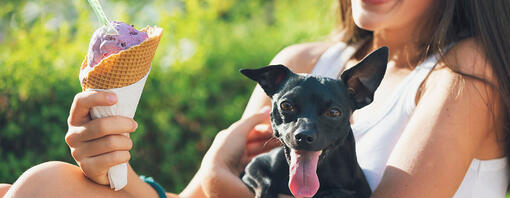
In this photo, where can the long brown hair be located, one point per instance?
(487, 21)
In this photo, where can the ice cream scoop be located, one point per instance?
(103, 44)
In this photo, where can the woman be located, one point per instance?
(441, 111)
(438, 126)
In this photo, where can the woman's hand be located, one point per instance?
(229, 153)
(230, 147)
(96, 145)
(223, 162)
(259, 140)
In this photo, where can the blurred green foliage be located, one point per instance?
(193, 91)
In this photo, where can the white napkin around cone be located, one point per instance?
(127, 101)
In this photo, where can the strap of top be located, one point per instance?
(402, 100)
(420, 74)
(333, 60)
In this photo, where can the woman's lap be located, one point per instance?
(58, 179)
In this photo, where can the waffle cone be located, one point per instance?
(126, 67)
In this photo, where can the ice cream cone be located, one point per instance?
(124, 74)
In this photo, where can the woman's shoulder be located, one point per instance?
(466, 60)
(462, 84)
(301, 58)
(465, 63)
(464, 72)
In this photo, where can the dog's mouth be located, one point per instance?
(303, 179)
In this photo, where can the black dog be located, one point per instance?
(310, 116)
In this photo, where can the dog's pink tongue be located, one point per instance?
(303, 180)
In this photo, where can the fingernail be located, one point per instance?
(136, 125)
(265, 109)
(111, 98)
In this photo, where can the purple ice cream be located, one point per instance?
(102, 45)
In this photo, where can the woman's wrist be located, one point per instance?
(194, 188)
(223, 182)
(218, 180)
(138, 188)
(206, 181)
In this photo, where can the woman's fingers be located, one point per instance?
(96, 168)
(108, 126)
(84, 101)
(229, 145)
(98, 144)
(255, 148)
(107, 160)
(99, 128)
(244, 126)
(264, 128)
(260, 132)
(103, 145)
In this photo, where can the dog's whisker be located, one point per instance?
(272, 139)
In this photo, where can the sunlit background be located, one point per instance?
(194, 88)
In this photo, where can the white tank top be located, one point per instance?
(376, 136)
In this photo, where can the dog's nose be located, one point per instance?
(304, 137)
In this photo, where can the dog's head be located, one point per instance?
(311, 114)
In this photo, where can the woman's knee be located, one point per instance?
(49, 173)
(58, 179)
(44, 178)
(4, 188)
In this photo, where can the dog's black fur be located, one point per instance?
(312, 113)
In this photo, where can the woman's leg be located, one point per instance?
(58, 179)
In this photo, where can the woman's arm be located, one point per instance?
(451, 121)
(221, 166)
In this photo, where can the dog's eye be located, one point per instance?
(333, 112)
(286, 106)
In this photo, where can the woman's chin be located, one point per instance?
(376, 5)
(369, 23)
(373, 14)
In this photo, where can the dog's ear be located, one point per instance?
(363, 79)
(270, 78)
